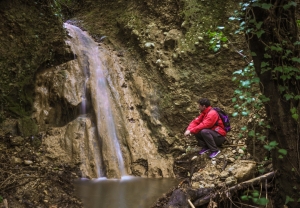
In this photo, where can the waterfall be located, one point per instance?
(89, 58)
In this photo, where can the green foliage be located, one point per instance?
(216, 39)
(198, 16)
(288, 199)
(248, 99)
(254, 195)
(286, 69)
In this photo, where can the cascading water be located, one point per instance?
(88, 55)
(101, 92)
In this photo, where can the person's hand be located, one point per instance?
(187, 133)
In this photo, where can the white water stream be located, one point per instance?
(113, 188)
(89, 58)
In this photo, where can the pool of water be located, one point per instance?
(128, 192)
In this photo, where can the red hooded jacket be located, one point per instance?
(208, 119)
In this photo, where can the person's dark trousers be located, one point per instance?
(211, 139)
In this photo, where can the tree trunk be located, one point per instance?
(280, 29)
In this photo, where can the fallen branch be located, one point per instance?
(232, 145)
(191, 204)
(239, 186)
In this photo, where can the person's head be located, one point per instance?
(203, 103)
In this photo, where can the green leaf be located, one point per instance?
(261, 138)
(258, 25)
(232, 18)
(223, 39)
(234, 99)
(238, 92)
(288, 96)
(281, 88)
(293, 110)
(295, 59)
(259, 33)
(288, 199)
(244, 128)
(255, 194)
(273, 143)
(262, 201)
(266, 6)
(295, 116)
(253, 54)
(282, 151)
(238, 72)
(255, 80)
(245, 113)
(261, 170)
(297, 97)
(251, 133)
(276, 48)
(244, 198)
(264, 98)
(297, 43)
(287, 6)
(264, 64)
(267, 55)
(235, 114)
(246, 83)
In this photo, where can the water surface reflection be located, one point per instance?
(129, 192)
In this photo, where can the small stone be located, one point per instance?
(231, 160)
(28, 162)
(149, 45)
(16, 160)
(195, 157)
(135, 32)
(241, 151)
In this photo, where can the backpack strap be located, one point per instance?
(216, 124)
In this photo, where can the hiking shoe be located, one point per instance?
(214, 154)
(203, 151)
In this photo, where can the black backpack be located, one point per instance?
(224, 117)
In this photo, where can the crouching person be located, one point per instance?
(208, 129)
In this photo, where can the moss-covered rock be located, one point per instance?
(27, 127)
(31, 38)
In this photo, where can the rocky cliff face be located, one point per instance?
(32, 38)
(163, 47)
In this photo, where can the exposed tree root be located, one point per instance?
(183, 197)
(237, 187)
